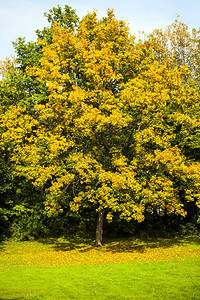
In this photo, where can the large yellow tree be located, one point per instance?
(110, 130)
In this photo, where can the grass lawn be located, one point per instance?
(122, 269)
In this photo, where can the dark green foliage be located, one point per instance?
(67, 17)
(28, 223)
(6, 202)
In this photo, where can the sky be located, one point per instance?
(20, 18)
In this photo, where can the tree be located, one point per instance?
(109, 131)
(177, 46)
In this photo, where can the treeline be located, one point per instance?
(96, 125)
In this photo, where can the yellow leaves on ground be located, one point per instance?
(61, 252)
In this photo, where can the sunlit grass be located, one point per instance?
(122, 269)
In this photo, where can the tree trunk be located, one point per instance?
(99, 228)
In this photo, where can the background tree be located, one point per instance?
(19, 89)
(177, 45)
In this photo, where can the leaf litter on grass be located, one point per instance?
(61, 252)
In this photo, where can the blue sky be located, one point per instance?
(23, 17)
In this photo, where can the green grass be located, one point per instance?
(172, 280)
(176, 278)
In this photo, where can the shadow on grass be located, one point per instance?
(13, 298)
(69, 244)
(141, 245)
(118, 245)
